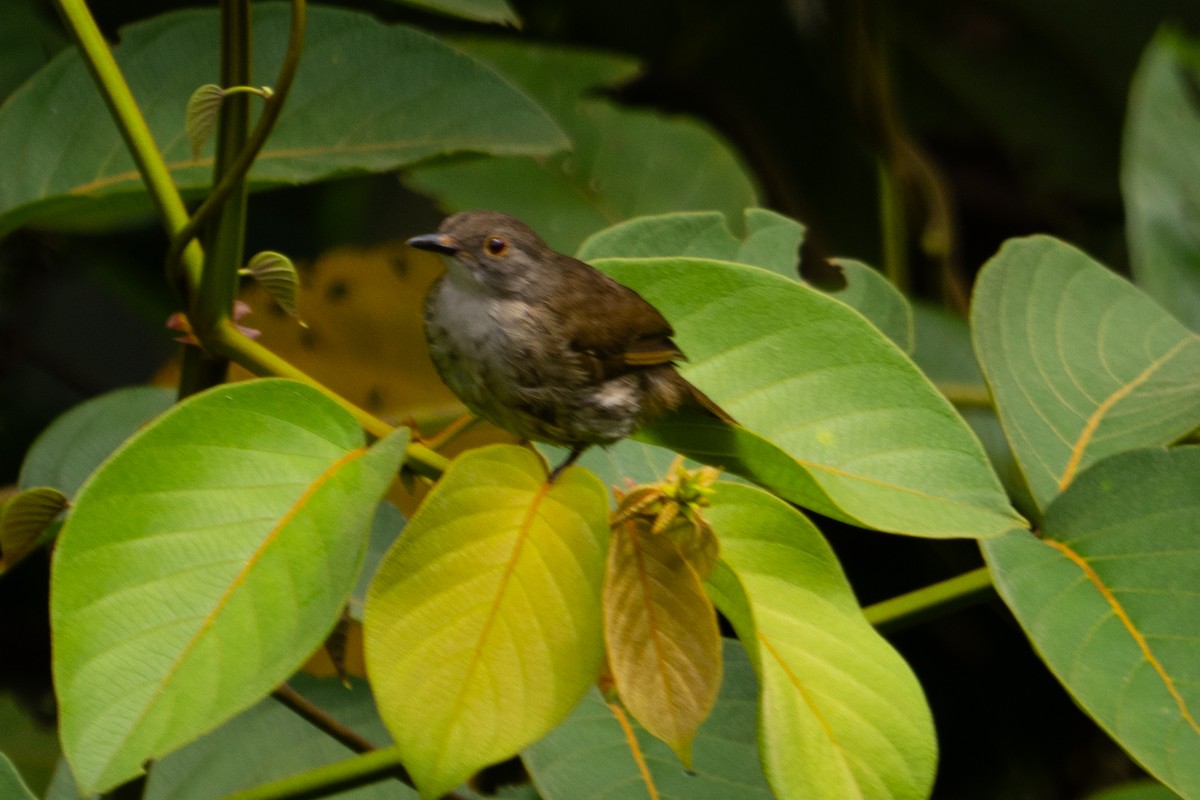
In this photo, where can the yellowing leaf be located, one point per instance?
(664, 647)
(482, 625)
(276, 273)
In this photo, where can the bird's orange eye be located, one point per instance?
(496, 245)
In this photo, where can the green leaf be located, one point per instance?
(876, 298)
(660, 635)
(202, 563)
(367, 97)
(1136, 790)
(625, 162)
(840, 713)
(482, 626)
(276, 273)
(78, 440)
(1081, 364)
(1108, 597)
(201, 115)
(24, 518)
(772, 241)
(269, 741)
(12, 786)
(836, 418)
(589, 756)
(495, 11)
(1160, 174)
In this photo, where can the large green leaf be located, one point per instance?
(772, 241)
(1160, 174)
(589, 756)
(835, 417)
(840, 713)
(269, 741)
(624, 163)
(1108, 596)
(482, 626)
(78, 440)
(1081, 364)
(202, 563)
(367, 97)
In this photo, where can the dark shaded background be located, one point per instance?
(1018, 104)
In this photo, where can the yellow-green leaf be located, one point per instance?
(660, 631)
(482, 626)
(276, 273)
(202, 563)
(840, 713)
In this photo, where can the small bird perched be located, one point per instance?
(543, 345)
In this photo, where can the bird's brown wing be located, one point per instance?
(613, 327)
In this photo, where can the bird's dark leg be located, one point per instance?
(574, 455)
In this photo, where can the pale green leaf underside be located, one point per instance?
(1081, 363)
(202, 563)
(482, 626)
(368, 97)
(771, 241)
(1110, 600)
(840, 713)
(840, 420)
(1160, 174)
(588, 756)
(80, 438)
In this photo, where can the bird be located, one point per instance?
(545, 346)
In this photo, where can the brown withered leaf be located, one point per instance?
(661, 635)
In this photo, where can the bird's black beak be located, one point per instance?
(434, 242)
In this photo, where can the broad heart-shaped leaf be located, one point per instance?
(202, 563)
(624, 163)
(12, 787)
(482, 626)
(1160, 174)
(835, 417)
(840, 713)
(1108, 597)
(1081, 364)
(367, 97)
(772, 241)
(660, 634)
(595, 755)
(79, 439)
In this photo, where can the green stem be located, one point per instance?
(134, 130)
(257, 138)
(332, 778)
(227, 341)
(894, 227)
(223, 246)
(940, 598)
(965, 395)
